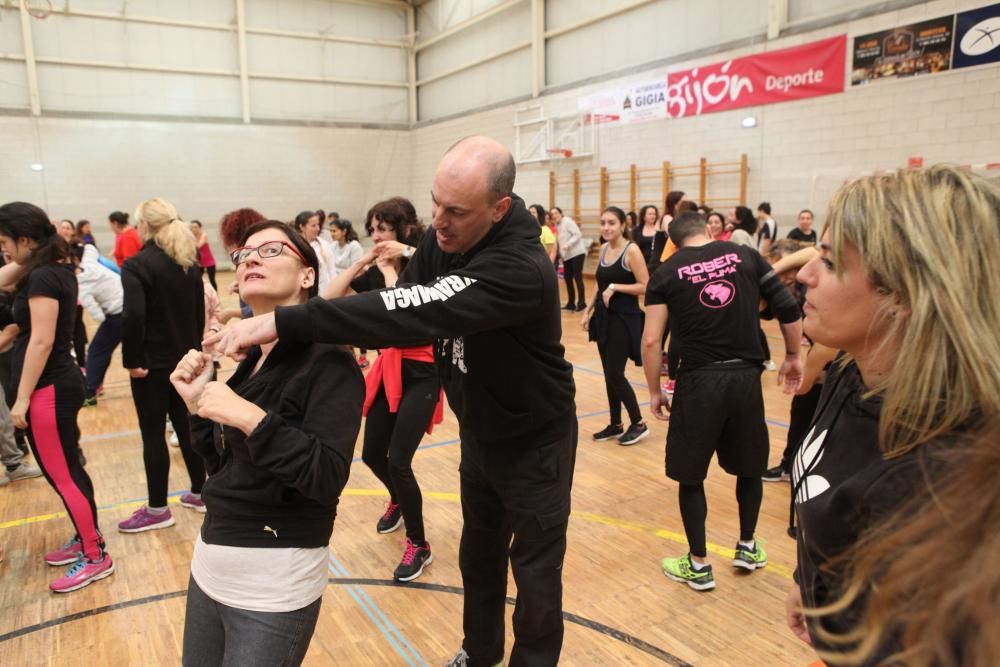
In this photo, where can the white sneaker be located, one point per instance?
(23, 471)
(770, 366)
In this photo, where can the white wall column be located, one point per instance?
(537, 47)
(29, 60)
(241, 39)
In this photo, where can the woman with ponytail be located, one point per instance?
(49, 390)
(164, 317)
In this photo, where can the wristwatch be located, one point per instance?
(407, 251)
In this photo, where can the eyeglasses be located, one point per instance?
(264, 251)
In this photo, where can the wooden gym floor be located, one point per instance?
(620, 609)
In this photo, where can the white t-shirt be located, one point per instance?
(345, 255)
(324, 251)
(270, 580)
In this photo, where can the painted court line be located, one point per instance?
(378, 619)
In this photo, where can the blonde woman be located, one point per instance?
(905, 284)
(164, 317)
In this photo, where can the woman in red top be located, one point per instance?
(205, 256)
(127, 241)
(403, 396)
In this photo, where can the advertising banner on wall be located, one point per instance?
(628, 104)
(977, 37)
(908, 50)
(788, 74)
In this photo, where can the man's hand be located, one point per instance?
(790, 373)
(659, 405)
(390, 249)
(241, 336)
(138, 373)
(193, 373)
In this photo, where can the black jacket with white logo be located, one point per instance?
(843, 486)
(494, 312)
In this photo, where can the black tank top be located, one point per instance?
(619, 274)
(644, 243)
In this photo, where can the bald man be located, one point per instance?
(483, 288)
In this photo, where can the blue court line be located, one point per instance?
(377, 617)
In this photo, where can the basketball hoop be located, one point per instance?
(40, 12)
(566, 152)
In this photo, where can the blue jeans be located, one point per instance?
(107, 338)
(215, 634)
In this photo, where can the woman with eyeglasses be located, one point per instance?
(163, 316)
(278, 459)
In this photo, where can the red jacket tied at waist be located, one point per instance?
(387, 371)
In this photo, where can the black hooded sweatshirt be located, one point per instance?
(494, 314)
(842, 486)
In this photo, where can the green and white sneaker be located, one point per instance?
(682, 570)
(750, 559)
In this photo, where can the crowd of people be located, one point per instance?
(890, 354)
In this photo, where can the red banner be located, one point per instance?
(795, 73)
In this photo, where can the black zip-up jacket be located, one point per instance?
(279, 486)
(163, 310)
(494, 313)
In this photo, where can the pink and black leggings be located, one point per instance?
(55, 441)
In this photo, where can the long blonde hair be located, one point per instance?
(157, 220)
(930, 241)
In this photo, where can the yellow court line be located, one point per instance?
(614, 522)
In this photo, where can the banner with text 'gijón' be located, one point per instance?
(788, 74)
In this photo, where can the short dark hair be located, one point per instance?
(685, 225)
(119, 218)
(765, 206)
(295, 239)
(398, 213)
(805, 210)
(745, 220)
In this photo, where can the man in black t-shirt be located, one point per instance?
(712, 290)
(804, 232)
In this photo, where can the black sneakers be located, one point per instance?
(610, 431)
(634, 434)
(415, 559)
(391, 518)
(776, 474)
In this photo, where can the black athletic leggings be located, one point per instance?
(614, 356)
(210, 270)
(155, 398)
(694, 511)
(391, 440)
(80, 339)
(55, 439)
(573, 273)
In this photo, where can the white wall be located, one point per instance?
(93, 167)
(800, 151)
(91, 61)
